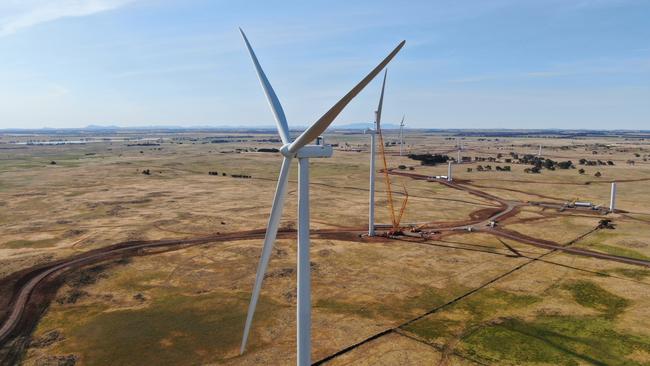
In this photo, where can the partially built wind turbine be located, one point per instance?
(371, 199)
(401, 135)
(300, 149)
(373, 132)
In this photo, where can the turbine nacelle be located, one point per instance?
(318, 150)
(308, 151)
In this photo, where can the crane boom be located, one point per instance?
(395, 220)
(401, 210)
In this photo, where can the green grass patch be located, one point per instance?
(616, 250)
(637, 274)
(434, 329)
(555, 340)
(176, 328)
(483, 304)
(591, 295)
(476, 309)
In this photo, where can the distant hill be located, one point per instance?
(363, 126)
(98, 127)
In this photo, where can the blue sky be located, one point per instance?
(466, 64)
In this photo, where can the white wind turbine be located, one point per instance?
(371, 199)
(300, 149)
(373, 133)
(401, 135)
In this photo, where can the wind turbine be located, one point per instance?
(372, 132)
(300, 149)
(401, 135)
(371, 198)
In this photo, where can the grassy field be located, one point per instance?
(488, 300)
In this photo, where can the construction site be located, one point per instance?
(133, 252)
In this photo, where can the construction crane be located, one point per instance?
(395, 218)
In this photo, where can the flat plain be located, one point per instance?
(451, 291)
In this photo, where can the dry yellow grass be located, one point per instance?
(187, 306)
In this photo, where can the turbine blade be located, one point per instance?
(271, 97)
(269, 239)
(381, 100)
(402, 123)
(321, 125)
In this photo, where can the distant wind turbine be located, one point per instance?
(401, 135)
(300, 149)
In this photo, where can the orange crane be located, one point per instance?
(395, 218)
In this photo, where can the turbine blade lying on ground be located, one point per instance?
(269, 239)
(271, 97)
(321, 125)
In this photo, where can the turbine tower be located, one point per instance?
(371, 198)
(373, 132)
(612, 198)
(539, 153)
(458, 149)
(401, 135)
(449, 172)
(300, 149)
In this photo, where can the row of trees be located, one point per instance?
(540, 163)
(595, 162)
(429, 159)
(488, 168)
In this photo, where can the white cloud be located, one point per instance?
(19, 14)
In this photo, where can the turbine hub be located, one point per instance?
(284, 150)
